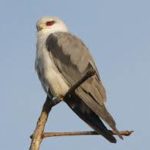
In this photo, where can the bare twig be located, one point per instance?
(78, 83)
(38, 132)
(52, 134)
(37, 135)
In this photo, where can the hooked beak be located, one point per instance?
(40, 27)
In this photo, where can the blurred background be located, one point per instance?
(118, 35)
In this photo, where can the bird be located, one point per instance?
(61, 60)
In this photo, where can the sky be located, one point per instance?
(118, 35)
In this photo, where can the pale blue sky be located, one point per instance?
(118, 35)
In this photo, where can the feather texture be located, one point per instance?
(73, 60)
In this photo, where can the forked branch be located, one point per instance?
(37, 136)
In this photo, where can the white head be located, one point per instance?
(50, 25)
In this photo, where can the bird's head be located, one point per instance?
(51, 25)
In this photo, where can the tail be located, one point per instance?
(98, 125)
(87, 115)
(106, 116)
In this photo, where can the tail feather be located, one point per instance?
(85, 113)
(110, 121)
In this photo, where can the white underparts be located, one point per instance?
(47, 71)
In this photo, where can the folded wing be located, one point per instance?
(73, 60)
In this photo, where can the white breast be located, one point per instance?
(47, 71)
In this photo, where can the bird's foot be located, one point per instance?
(60, 97)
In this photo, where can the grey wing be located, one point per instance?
(73, 60)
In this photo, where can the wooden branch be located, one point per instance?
(38, 132)
(89, 74)
(78, 133)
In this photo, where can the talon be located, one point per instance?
(54, 98)
(61, 97)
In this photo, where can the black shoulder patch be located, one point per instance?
(51, 42)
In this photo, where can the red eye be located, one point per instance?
(50, 23)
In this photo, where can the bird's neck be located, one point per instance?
(43, 34)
